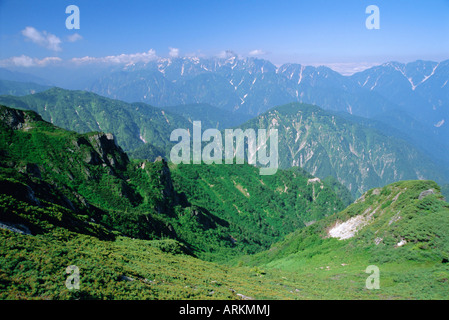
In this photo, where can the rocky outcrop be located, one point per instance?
(424, 194)
(17, 228)
(18, 119)
(108, 150)
(165, 179)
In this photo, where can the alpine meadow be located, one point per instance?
(143, 159)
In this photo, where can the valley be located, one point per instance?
(140, 229)
(89, 181)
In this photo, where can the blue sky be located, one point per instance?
(307, 32)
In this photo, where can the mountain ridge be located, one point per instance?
(403, 95)
(91, 177)
(326, 144)
(145, 132)
(135, 229)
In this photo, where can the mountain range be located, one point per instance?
(80, 111)
(145, 230)
(358, 152)
(86, 180)
(328, 144)
(91, 176)
(411, 98)
(254, 85)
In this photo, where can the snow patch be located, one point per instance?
(375, 84)
(366, 81)
(427, 77)
(349, 228)
(300, 75)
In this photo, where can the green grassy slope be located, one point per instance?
(403, 229)
(34, 267)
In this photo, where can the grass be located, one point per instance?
(33, 267)
(342, 275)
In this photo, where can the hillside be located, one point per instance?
(81, 111)
(17, 88)
(77, 199)
(92, 179)
(328, 144)
(249, 85)
(210, 116)
(259, 209)
(360, 153)
(253, 86)
(401, 228)
(135, 229)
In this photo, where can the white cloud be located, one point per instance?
(227, 54)
(26, 61)
(74, 37)
(120, 59)
(174, 52)
(349, 68)
(22, 61)
(47, 60)
(257, 52)
(44, 39)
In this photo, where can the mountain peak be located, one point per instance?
(18, 119)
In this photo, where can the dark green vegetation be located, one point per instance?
(326, 144)
(215, 211)
(258, 208)
(33, 267)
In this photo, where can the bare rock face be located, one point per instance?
(19, 191)
(424, 194)
(109, 151)
(18, 119)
